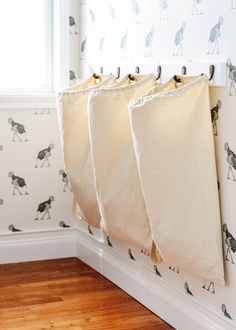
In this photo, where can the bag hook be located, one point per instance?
(183, 70)
(158, 72)
(211, 71)
(118, 72)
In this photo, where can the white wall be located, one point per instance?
(117, 31)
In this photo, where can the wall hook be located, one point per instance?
(101, 69)
(211, 71)
(137, 70)
(183, 70)
(158, 72)
(118, 72)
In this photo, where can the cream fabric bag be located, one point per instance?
(118, 187)
(73, 123)
(173, 140)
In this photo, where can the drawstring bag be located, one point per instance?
(73, 122)
(174, 147)
(117, 182)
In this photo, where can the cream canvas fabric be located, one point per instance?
(118, 187)
(73, 122)
(173, 140)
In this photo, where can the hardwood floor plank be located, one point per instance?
(67, 294)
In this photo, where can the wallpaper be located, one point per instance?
(134, 31)
(34, 191)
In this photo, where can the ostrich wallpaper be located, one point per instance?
(178, 41)
(43, 156)
(65, 181)
(43, 209)
(215, 33)
(231, 160)
(19, 184)
(215, 115)
(19, 131)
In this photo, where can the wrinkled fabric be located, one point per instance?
(119, 193)
(174, 147)
(73, 122)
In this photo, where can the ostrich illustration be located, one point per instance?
(186, 286)
(196, 8)
(231, 160)
(123, 43)
(72, 75)
(174, 269)
(135, 11)
(65, 180)
(18, 183)
(157, 271)
(72, 25)
(112, 12)
(215, 116)
(233, 3)
(149, 42)
(145, 252)
(42, 111)
(208, 287)
(213, 42)
(91, 15)
(230, 242)
(13, 229)
(83, 47)
(109, 242)
(63, 225)
(43, 156)
(223, 308)
(44, 208)
(90, 230)
(164, 9)
(232, 76)
(131, 255)
(178, 42)
(18, 129)
(101, 43)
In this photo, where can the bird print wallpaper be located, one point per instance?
(135, 31)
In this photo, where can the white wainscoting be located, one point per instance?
(172, 305)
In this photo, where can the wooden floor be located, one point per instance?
(67, 294)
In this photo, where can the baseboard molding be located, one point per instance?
(38, 245)
(171, 304)
(160, 297)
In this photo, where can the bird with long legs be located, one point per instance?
(18, 130)
(18, 183)
(44, 208)
(231, 160)
(43, 156)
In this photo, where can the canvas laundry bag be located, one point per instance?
(73, 123)
(174, 147)
(118, 187)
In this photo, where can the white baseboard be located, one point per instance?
(160, 297)
(38, 245)
(172, 305)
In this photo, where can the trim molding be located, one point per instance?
(27, 101)
(30, 246)
(162, 298)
